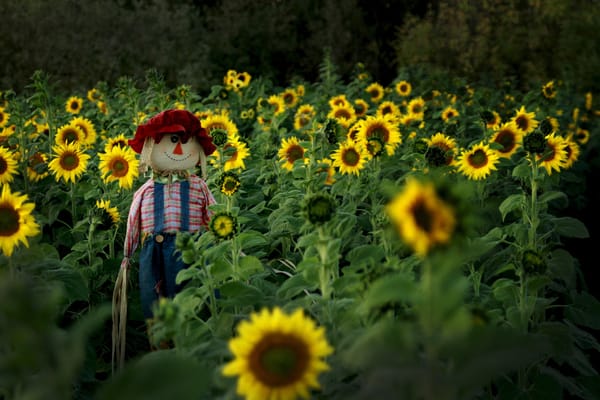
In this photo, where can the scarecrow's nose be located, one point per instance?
(178, 149)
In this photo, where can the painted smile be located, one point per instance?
(176, 159)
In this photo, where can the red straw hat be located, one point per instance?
(182, 122)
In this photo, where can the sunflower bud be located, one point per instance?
(487, 116)
(546, 127)
(533, 263)
(318, 208)
(535, 142)
(219, 136)
(331, 130)
(435, 156)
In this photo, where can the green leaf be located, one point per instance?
(511, 203)
(367, 254)
(570, 227)
(551, 195)
(521, 171)
(251, 239)
(250, 265)
(396, 288)
(293, 286)
(585, 310)
(239, 293)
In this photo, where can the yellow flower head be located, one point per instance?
(16, 221)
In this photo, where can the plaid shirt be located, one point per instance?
(141, 212)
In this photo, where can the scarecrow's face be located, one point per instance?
(172, 153)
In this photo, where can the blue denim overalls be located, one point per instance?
(159, 265)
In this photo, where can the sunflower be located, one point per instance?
(94, 95)
(555, 155)
(477, 162)
(318, 208)
(277, 355)
(119, 165)
(37, 167)
(220, 121)
(548, 90)
(102, 107)
(421, 217)
(384, 129)
(375, 91)
(290, 97)
(8, 166)
(339, 101)
(290, 151)
(350, 157)
(69, 162)
(360, 107)
(440, 150)
(524, 120)
(491, 119)
(223, 225)
(87, 127)
(582, 136)
(403, 88)
(449, 113)
(572, 150)
(234, 151)
(277, 104)
(304, 115)
(73, 105)
(389, 109)
(4, 117)
(229, 183)
(109, 216)
(16, 221)
(416, 108)
(509, 138)
(344, 115)
(117, 141)
(69, 134)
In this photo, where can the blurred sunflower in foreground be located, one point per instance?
(16, 221)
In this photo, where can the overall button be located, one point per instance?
(159, 238)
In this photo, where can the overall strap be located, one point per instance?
(185, 205)
(159, 207)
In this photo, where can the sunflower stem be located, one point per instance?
(324, 273)
(533, 211)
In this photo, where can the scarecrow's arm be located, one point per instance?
(132, 235)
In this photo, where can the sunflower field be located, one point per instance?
(407, 241)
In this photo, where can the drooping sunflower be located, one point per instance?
(440, 150)
(229, 183)
(422, 219)
(360, 108)
(572, 150)
(509, 137)
(477, 162)
(304, 116)
(554, 156)
(94, 95)
(223, 225)
(8, 166)
(290, 151)
(277, 355)
(69, 133)
(109, 216)
(69, 162)
(74, 105)
(344, 115)
(37, 167)
(16, 221)
(449, 113)
(582, 136)
(383, 128)
(524, 120)
(87, 127)
(403, 88)
(4, 117)
(548, 90)
(277, 104)
(350, 157)
(376, 91)
(119, 165)
(234, 151)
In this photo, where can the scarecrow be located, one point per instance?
(172, 144)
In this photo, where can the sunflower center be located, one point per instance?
(74, 105)
(342, 113)
(230, 185)
(422, 216)
(436, 156)
(350, 157)
(69, 161)
(295, 152)
(506, 139)
(550, 153)
(9, 220)
(522, 122)
(279, 359)
(119, 167)
(3, 165)
(379, 132)
(478, 159)
(359, 108)
(70, 136)
(416, 108)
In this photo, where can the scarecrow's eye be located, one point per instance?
(174, 138)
